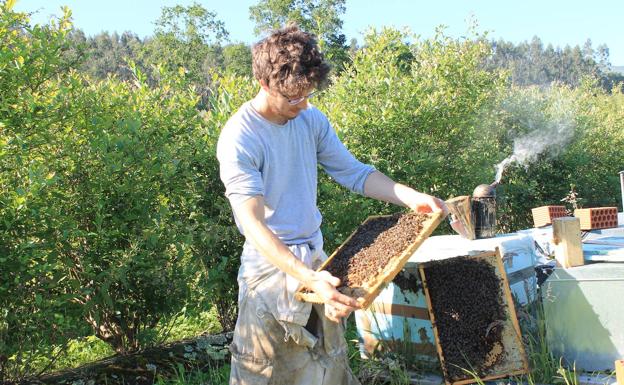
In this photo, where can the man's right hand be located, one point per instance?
(250, 214)
(337, 305)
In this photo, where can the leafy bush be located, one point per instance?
(112, 214)
(33, 306)
(574, 134)
(222, 244)
(429, 115)
(414, 112)
(537, 126)
(598, 155)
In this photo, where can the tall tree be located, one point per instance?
(185, 37)
(531, 63)
(237, 59)
(320, 17)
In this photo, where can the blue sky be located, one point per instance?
(554, 21)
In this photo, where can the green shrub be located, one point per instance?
(586, 130)
(414, 112)
(112, 213)
(33, 307)
(598, 155)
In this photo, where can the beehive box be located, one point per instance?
(583, 315)
(375, 253)
(597, 217)
(474, 319)
(398, 321)
(544, 215)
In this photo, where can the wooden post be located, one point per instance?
(619, 372)
(567, 240)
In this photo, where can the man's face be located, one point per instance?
(288, 106)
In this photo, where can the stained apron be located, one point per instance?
(279, 340)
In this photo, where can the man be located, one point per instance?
(268, 153)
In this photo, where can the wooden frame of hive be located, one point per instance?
(511, 329)
(369, 290)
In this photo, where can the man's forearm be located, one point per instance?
(379, 186)
(251, 217)
(273, 249)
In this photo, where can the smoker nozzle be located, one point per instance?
(485, 191)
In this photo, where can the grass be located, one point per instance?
(208, 376)
(387, 368)
(80, 351)
(188, 326)
(371, 371)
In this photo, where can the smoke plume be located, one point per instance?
(549, 130)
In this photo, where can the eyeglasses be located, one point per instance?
(293, 102)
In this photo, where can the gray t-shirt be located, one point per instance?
(279, 162)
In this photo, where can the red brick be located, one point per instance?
(597, 217)
(544, 215)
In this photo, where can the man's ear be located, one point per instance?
(264, 86)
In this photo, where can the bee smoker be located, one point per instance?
(484, 210)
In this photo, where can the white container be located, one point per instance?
(584, 313)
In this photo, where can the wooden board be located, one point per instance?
(461, 208)
(369, 290)
(619, 372)
(515, 362)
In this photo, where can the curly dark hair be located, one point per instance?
(290, 61)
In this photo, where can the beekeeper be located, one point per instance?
(268, 153)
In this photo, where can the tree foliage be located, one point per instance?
(184, 38)
(193, 38)
(237, 59)
(32, 307)
(320, 17)
(104, 54)
(532, 63)
(412, 110)
(112, 215)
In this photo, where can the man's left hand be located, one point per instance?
(424, 203)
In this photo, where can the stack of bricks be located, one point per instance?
(544, 215)
(597, 217)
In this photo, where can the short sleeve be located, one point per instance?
(338, 162)
(239, 167)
